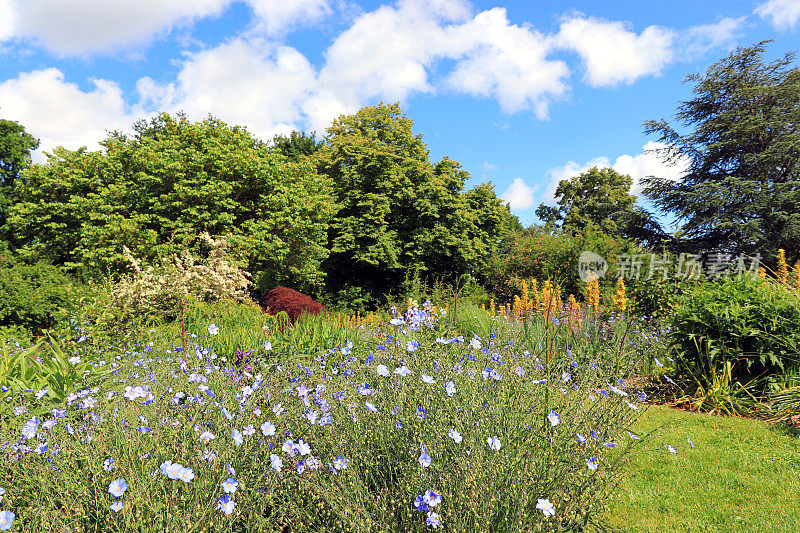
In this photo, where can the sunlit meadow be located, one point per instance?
(424, 421)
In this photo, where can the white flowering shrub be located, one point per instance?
(160, 288)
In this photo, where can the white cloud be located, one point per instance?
(60, 113)
(394, 52)
(386, 53)
(506, 62)
(255, 83)
(782, 14)
(275, 16)
(86, 26)
(698, 40)
(611, 53)
(6, 20)
(518, 195)
(645, 164)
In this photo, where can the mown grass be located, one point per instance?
(742, 475)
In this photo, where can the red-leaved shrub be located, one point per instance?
(292, 302)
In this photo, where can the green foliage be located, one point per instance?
(297, 145)
(741, 191)
(398, 213)
(52, 365)
(600, 200)
(33, 296)
(164, 186)
(542, 254)
(655, 297)
(16, 146)
(729, 334)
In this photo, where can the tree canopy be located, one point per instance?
(600, 199)
(741, 192)
(399, 214)
(16, 146)
(165, 185)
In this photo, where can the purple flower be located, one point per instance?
(230, 485)
(118, 487)
(424, 458)
(225, 504)
(432, 520)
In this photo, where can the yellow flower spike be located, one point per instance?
(797, 276)
(783, 268)
(491, 306)
(620, 302)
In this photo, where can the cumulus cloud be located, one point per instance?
(782, 14)
(395, 51)
(87, 26)
(60, 113)
(518, 195)
(83, 27)
(256, 83)
(506, 62)
(645, 164)
(611, 53)
(275, 16)
(698, 40)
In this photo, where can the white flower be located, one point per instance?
(402, 371)
(546, 507)
(213, 329)
(455, 435)
(275, 462)
(268, 429)
(74, 360)
(450, 388)
(383, 370)
(494, 443)
(554, 418)
(427, 379)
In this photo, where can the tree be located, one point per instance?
(741, 192)
(399, 215)
(159, 189)
(296, 145)
(600, 200)
(16, 146)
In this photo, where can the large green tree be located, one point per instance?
(16, 146)
(161, 187)
(600, 200)
(740, 136)
(399, 214)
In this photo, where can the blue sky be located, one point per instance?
(520, 93)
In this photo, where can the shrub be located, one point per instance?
(291, 302)
(160, 289)
(31, 296)
(736, 331)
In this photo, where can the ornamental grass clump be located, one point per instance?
(405, 429)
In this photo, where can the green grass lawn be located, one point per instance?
(742, 475)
